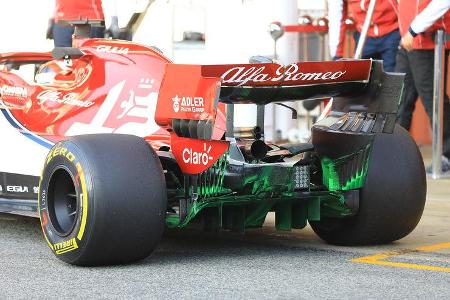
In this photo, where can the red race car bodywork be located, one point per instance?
(115, 87)
(76, 131)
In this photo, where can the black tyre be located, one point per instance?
(102, 199)
(392, 199)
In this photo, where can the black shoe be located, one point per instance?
(445, 165)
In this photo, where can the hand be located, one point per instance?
(407, 41)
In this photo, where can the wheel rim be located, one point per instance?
(62, 202)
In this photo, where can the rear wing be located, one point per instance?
(267, 83)
(191, 95)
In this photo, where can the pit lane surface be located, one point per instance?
(260, 265)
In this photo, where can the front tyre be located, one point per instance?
(392, 199)
(102, 199)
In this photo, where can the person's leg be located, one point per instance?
(422, 66)
(97, 32)
(62, 35)
(388, 46)
(409, 95)
(370, 49)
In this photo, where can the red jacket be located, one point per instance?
(408, 10)
(79, 9)
(384, 19)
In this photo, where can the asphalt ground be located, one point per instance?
(261, 264)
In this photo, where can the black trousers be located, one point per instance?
(384, 47)
(62, 35)
(419, 67)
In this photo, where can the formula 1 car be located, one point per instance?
(110, 143)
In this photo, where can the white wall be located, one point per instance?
(23, 25)
(157, 27)
(311, 5)
(237, 30)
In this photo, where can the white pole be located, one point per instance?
(438, 106)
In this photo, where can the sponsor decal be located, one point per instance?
(195, 156)
(176, 104)
(65, 246)
(188, 104)
(11, 183)
(134, 105)
(133, 115)
(59, 97)
(82, 74)
(58, 150)
(244, 75)
(16, 189)
(13, 91)
(198, 158)
(112, 49)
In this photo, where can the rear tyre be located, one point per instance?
(102, 199)
(391, 200)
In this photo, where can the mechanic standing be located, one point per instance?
(69, 10)
(383, 36)
(419, 20)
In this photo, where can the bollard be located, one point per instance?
(350, 28)
(438, 106)
(304, 20)
(323, 55)
(276, 31)
(322, 22)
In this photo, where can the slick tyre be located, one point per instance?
(391, 200)
(102, 199)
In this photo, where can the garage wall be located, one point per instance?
(23, 25)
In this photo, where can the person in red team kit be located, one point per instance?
(69, 10)
(383, 36)
(419, 20)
